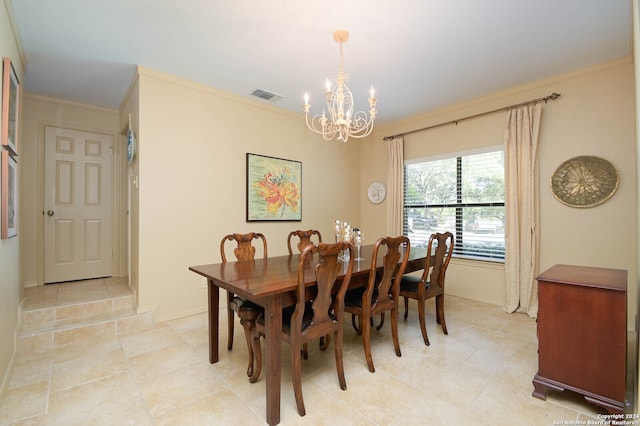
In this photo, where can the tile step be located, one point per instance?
(77, 315)
(98, 327)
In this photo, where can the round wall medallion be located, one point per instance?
(376, 192)
(584, 181)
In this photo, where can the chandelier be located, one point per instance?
(342, 121)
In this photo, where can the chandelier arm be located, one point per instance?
(327, 131)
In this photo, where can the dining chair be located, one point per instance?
(380, 294)
(431, 283)
(247, 311)
(310, 320)
(305, 239)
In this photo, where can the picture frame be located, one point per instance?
(274, 189)
(9, 191)
(10, 99)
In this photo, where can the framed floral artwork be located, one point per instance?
(9, 191)
(274, 189)
(9, 122)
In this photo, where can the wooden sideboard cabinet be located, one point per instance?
(582, 334)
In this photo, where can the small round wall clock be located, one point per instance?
(584, 181)
(377, 192)
(131, 146)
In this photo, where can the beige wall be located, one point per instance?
(191, 168)
(10, 289)
(593, 116)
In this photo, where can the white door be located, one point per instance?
(77, 205)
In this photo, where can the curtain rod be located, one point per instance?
(551, 97)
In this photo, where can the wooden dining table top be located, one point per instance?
(258, 278)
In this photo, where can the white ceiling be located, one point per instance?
(419, 54)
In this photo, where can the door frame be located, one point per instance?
(118, 198)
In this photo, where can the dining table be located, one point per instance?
(270, 282)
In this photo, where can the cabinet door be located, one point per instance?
(582, 338)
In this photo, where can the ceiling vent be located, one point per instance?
(267, 96)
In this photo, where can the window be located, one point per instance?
(463, 195)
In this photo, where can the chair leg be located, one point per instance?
(366, 343)
(406, 307)
(247, 326)
(394, 331)
(257, 357)
(296, 378)
(230, 320)
(305, 351)
(422, 320)
(339, 361)
(440, 313)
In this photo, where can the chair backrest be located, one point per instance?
(244, 249)
(305, 239)
(434, 272)
(384, 284)
(327, 309)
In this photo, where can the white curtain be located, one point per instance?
(521, 208)
(395, 187)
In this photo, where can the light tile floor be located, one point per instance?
(480, 374)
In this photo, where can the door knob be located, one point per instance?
(49, 212)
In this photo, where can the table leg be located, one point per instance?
(214, 308)
(273, 330)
